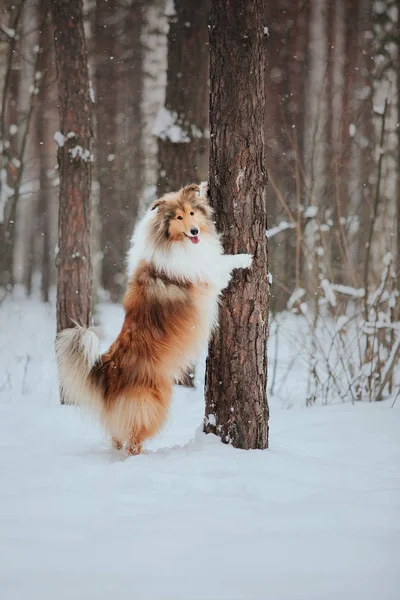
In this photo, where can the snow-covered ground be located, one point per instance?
(315, 517)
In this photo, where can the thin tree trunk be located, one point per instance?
(183, 159)
(182, 125)
(74, 267)
(129, 155)
(106, 112)
(45, 159)
(236, 375)
(8, 112)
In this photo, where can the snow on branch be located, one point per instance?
(348, 290)
(8, 32)
(5, 193)
(283, 225)
(167, 127)
(83, 153)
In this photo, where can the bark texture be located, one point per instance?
(74, 268)
(8, 115)
(183, 158)
(236, 374)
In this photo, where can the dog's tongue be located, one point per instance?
(195, 239)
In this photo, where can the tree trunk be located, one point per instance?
(43, 127)
(182, 125)
(106, 112)
(183, 159)
(8, 116)
(398, 168)
(236, 374)
(286, 81)
(74, 267)
(129, 158)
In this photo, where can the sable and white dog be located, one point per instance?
(177, 271)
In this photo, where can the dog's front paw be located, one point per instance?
(243, 261)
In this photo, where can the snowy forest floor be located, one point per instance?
(317, 516)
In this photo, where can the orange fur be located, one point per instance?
(167, 322)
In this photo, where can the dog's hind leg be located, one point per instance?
(134, 445)
(116, 443)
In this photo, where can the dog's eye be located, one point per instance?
(180, 218)
(192, 213)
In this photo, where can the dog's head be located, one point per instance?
(184, 216)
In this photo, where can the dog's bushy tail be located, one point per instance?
(77, 351)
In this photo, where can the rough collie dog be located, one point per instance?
(176, 270)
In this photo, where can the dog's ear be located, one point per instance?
(189, 191)
(156, 204)
(192, 188)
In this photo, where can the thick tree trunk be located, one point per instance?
(182, 125)
(236, 376)
(74, 267)
(397, 261)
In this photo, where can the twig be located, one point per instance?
(389, 367)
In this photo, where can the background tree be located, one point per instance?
(236, 374)
(10, 176)
(286, 86)
(106, 116)
(332, 67)
(44, 132)
(74, 267)
(182, 124)
(119, 75)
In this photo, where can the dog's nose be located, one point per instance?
(194, 231)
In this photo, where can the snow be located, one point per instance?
(317, 516)
(295, 297)
(166, 127)
(8, 31)
(170, 10)
(59, 138)
(310, 212)
(83, 153)
(329, 293)
(283, 225)
(379, 109)
(348, 290)
(91, 93)
(6, 192)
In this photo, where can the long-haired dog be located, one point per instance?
(176, 270)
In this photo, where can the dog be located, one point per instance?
(176, 272)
